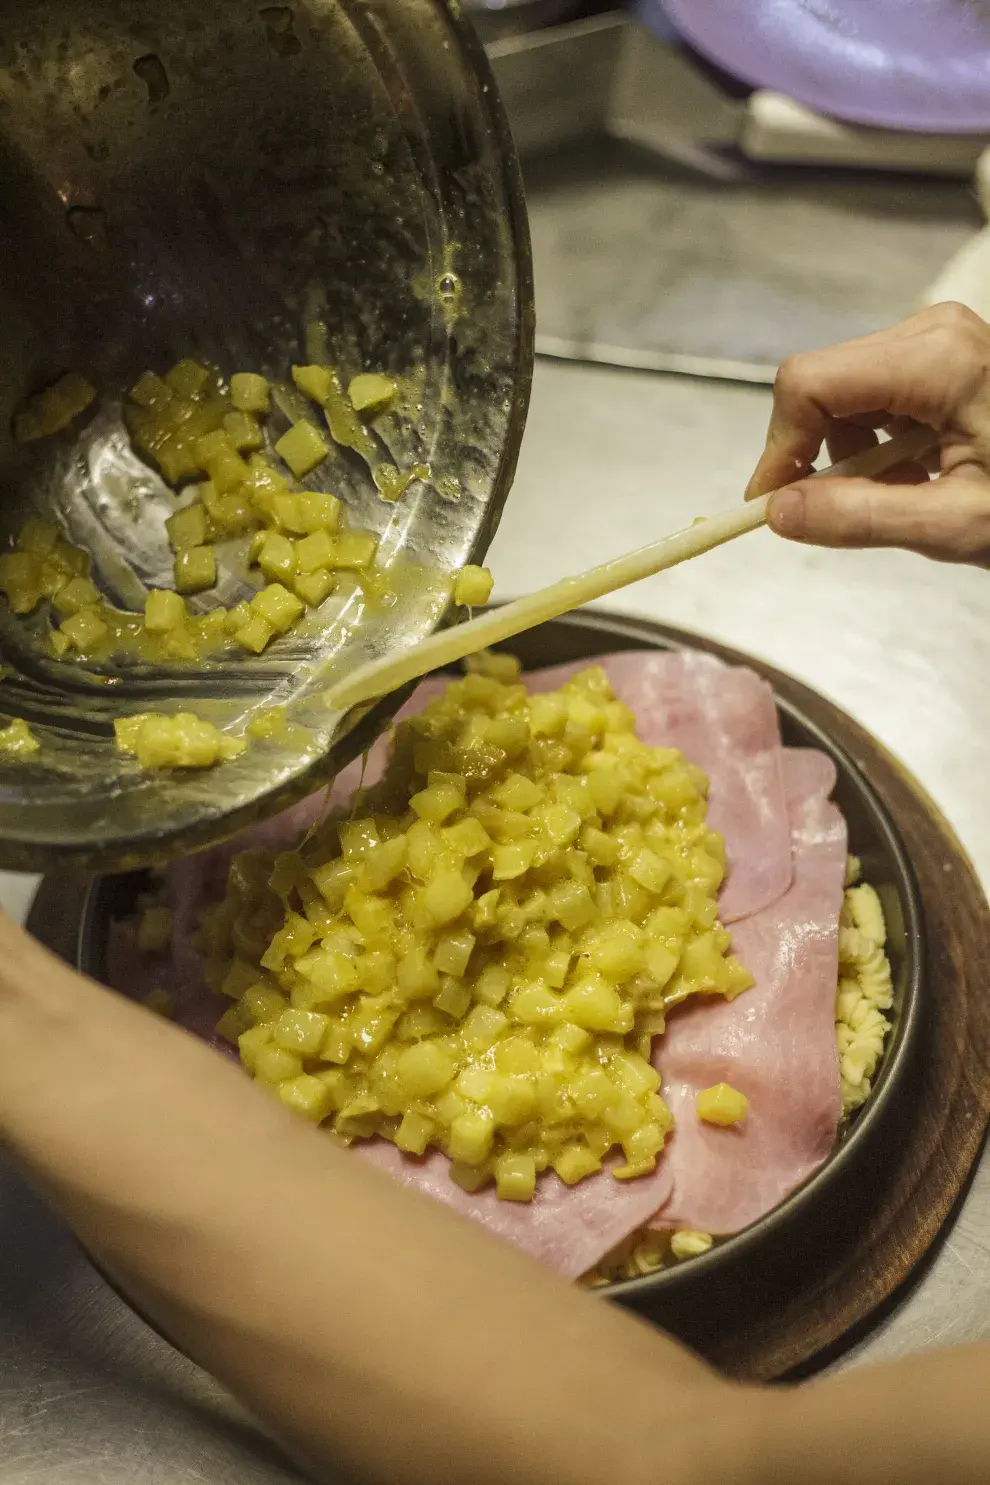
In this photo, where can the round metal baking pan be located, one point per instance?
(782, 1250)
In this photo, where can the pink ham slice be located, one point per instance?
(775, 1043)
(569, 1228)
(723, 719)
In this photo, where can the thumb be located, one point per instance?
(948, 519)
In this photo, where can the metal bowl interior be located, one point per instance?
(247, 185)
(685, 1298)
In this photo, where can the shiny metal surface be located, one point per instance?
(87, 1395)
(243, 183)
(658, 246)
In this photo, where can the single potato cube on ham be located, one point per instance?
(195, 569)
(250, 393)
(371, 393)
(574, 1163)
(722, 1104)
(163, 610)
(302, 448)
(414, 1133)
(515, 1177)
(473, 586)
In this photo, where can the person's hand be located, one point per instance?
(933, 368)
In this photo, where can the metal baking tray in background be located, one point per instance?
(659, 246)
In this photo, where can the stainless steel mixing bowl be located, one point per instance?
(224, 181)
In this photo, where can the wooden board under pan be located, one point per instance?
(787, 1290)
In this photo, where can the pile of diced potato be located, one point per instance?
(478, 958)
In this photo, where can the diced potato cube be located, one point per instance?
(535, 1005)
(492, 985)
(39, 537)
(722, 1104)
(574, 1163)
(243, 431)
(301, 1031)
(471, 1137)
(187, 378)
(439, 800)
(195, 569)
(249, 393)
(316, 382)
(483, 1028)
(154, 930)
(319, 512)
(688, 1244)
(424, 1069)
(453, 953)
(314, 587)
(17, 739)
(85, 631)
(515, 1177)
(516, 792)
(54, 409)
(414, 1133)
(151, 391)
(371, 393)
(224, 465)
(250, 1043)
(278, 607)
(187, 527)
(445, 897)
(315, 551)
(20, 581)
(454, 998)
(572, 905)
(473, 586)
(305, 1095)
(650, 871)
(468, 837)
(273, 1064)
(512, 860)
(597, 1006)
(163, 610)
(78, 593)
(384, 862)
(59, 644)
(277, 557)
(354, 550)
(302, 448)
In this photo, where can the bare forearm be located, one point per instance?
(368, 1326)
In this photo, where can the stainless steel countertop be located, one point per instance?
(89, 1396)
